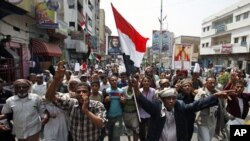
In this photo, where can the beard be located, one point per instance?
(22, 95)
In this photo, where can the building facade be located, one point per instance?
(225, 38)
(36, 34)
(83, 18)
(31, 37)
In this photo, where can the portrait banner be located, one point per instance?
(114, 46)
(182, 56)
(156, 40)
(227, 49)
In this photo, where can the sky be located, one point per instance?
(183, 17)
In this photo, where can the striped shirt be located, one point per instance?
(81, 127)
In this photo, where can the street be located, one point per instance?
(124, 138)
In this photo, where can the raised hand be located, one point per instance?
(225, 94)
(60, 71)
(85, 101)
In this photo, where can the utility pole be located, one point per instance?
(160, 56)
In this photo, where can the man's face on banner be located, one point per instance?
(115, 42)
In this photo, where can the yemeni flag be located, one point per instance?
(132, 43)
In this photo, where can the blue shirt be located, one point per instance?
(115, 108)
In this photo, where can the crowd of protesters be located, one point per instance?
(88, 105)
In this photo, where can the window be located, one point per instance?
(245, 15)
(71, 4)
(89, 21)
(90, 6)
(203, 45)
(229, 62)
(72, 24)
(204, 29)
(244, 39)
(237, 18)
(236, 40)
(208, 28)
(207, 44)
(240, 64)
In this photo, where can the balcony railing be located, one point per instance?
(220, 28)
(244, 44)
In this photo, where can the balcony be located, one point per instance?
(220, 28)
(244, 44)
(224, 49)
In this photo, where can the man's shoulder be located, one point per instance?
(95, 104)
(34, 96)
(11, 98)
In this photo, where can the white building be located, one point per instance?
(225, 37)
(77, 12)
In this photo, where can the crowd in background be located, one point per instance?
(92, 103)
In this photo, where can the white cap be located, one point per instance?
(197, 68)
(100, 71)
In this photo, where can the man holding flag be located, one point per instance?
(133, 46)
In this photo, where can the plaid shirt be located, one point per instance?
(81, 127)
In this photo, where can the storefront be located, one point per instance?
(44, 55)
(12, 60)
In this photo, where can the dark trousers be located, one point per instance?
(6, 136)
(143, 129)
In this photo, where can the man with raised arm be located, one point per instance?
(86, 117)
(168, 120)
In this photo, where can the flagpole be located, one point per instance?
(136, 105)
(160, 57)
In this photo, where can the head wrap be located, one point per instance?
(186, 81)
(72, 80)
(162, 81)
(167, 92)
(22, 81)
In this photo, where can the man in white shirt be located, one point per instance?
(40, 86)
(26, 108)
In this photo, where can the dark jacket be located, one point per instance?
(181, 113)
(234, 109)
(188, 99)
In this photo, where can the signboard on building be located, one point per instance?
(226, 49)
(156, 40)
(182, 56)
(45, 17)
(216, 50)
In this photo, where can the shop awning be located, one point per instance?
(7, 8)
(42, 48)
